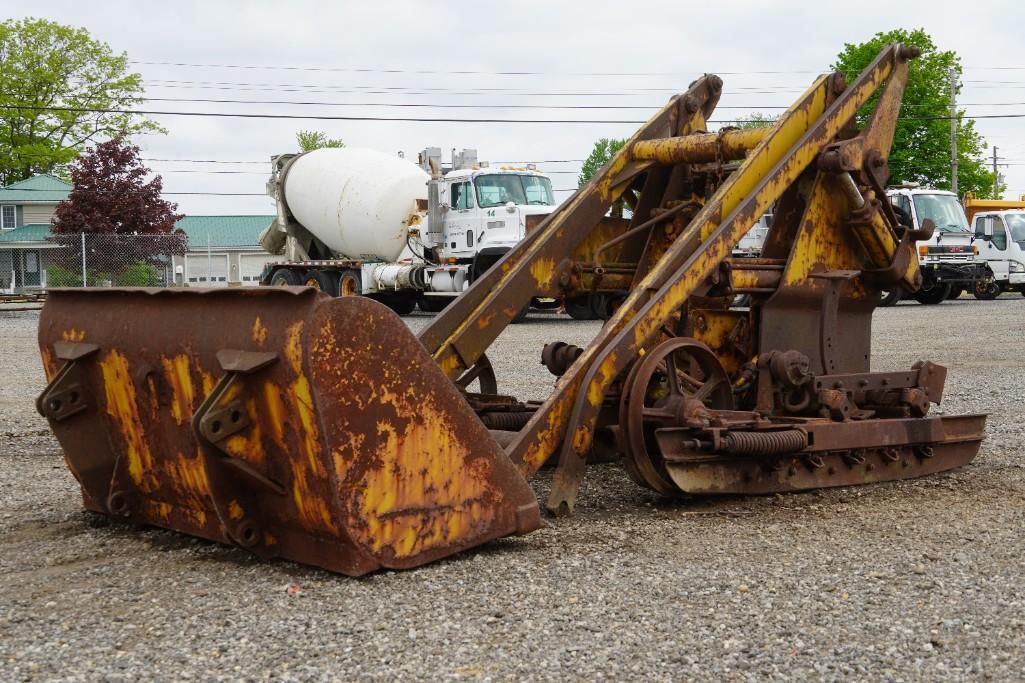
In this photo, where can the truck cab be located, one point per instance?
(484, 210)
(1000, 238)
(948, 259)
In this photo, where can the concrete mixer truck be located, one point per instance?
(356, 221)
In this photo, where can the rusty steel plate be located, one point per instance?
(959, 441)
(277, 419)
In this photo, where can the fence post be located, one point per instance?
(85, 281)
(209, 261)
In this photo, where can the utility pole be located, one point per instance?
(953, 130)
(996, 175)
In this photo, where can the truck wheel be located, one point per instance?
(579, 308)
(402, 305)
(283, 277)
(986, 290)
(955, 292)
(890, 297)
(434, 304)
(545, 304)
(350, 283)
(325, 282)
(522, 315)
(935, 294)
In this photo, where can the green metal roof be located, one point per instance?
(221, 231)
(42, 188)
(33, 232)
(224, 231)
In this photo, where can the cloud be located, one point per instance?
(680, 41)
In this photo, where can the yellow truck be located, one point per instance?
(973, 205)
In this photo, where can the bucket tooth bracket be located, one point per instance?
(235, 485)
(67, 398)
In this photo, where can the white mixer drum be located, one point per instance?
(359, 202)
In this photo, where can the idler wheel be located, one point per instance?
(664, 386)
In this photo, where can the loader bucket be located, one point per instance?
(277, 419)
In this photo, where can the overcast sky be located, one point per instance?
(342, 52)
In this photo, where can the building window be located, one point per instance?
(8, 217)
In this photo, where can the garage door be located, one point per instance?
(251, 267)
(202, 270)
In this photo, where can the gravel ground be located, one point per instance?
(919, 580)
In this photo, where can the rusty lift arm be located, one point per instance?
(320, 430)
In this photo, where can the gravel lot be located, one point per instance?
(919, 580)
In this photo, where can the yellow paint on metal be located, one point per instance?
(121, 406)
(179, 378)
(309, 432)
(73, 335)
(450, 364)
(313, 510)
(548, 437)
(543, 272)
(187, 475)
(208, 381)
(582, 438)
(606, 373)
(727, 145)
(715, 331)
(259, 332)
(248, 444)
(158, 509)
(293, 346)
(425, 490)
(235, 511)
(275, 412)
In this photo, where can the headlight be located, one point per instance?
(975, 249)
(1015, 267)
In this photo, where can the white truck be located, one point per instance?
(1000, 238)
(356, 221)
(949, 260)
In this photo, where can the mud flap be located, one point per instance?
(277, 419)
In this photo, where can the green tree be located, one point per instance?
(755, 120)
(310, 140)
(49, 73)
(604, 150)
(921, 143)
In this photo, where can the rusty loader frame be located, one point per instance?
(321, 430)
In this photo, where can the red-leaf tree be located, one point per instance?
(111, 195)
(126, 221)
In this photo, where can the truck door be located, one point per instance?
(460, 220)
(991, 236)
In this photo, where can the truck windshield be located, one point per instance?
(499, 188)
(943, 209)
(1016, 224)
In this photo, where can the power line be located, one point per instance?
(316, 117)
(278, 67)
(336, 117)
(228, 194)
(293, 87)
(644, 107)
(21, 155)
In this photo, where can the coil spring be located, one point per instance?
(508, 421)
(765, 443)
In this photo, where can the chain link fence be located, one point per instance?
(92, 260)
